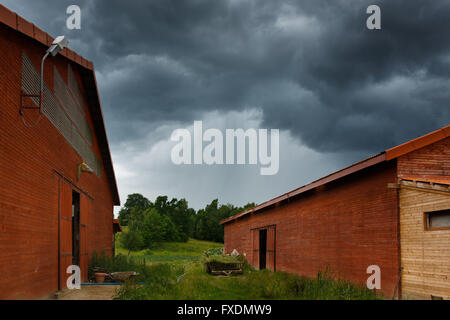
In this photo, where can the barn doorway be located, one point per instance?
(75, 228)
(74, 206)
(262, 248)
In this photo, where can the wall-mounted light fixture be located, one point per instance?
(58, 44)
(83, 167)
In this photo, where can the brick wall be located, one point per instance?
(29, 186)
(432, 160)
(348, 225)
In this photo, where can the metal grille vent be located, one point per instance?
(71, 107)
(74, 87)
(55, 113)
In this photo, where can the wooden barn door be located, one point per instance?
(65, 232)
(74, 208)
(270, 254)
(84, 256)
(270, 247)
(255, 248)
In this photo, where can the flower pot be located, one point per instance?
(100, 277)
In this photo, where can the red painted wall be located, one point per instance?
(348, 225)
(29, 186)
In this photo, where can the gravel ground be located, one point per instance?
(101, 292)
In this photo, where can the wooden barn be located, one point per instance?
(57, 183)
(391, 210)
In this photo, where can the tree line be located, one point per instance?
(150, 223)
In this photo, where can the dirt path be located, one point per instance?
(100, 292)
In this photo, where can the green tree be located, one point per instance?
(206, 222)
(157, 228)
(179, 213)
(134, 200)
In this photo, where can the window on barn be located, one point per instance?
(438, 220)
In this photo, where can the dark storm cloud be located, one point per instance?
(311, 66)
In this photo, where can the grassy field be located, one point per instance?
(173, 252)
(176, 271)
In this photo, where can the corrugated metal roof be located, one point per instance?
(16, 22)
(387, 155)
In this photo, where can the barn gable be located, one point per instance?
(357, 217)
(86, 75)
(430, 160)
(52, 214)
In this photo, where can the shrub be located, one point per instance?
(132, 240)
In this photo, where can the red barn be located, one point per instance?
(57, 183)
(391, 210)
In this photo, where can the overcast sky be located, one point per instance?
(337, 91)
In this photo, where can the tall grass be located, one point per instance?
(102, 263)
(158, 275)
(197, 285)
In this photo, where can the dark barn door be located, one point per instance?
(262, 248)
(75, 228)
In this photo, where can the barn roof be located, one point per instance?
(386, 155)
(16, 22)
(116, 226)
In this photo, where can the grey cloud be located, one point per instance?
(234, 49)
(311, 68)
(172, 60)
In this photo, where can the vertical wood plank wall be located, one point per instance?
(425, 254)
(84, 225)
(270, 255)
(255, 246)
(65, 233)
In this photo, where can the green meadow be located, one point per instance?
(175, 270)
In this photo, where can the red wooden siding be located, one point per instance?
(65, 232)
(255, 247)
(84, 225)
(270, 254)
